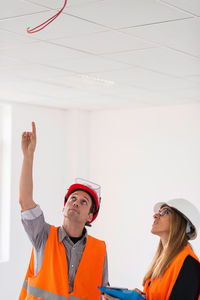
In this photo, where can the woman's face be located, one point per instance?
(161, 224)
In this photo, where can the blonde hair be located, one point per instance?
(164, 256)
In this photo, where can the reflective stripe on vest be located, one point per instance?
(52, 280)
(40, 293)
(160, 289)
(25, 284)
(36, 292)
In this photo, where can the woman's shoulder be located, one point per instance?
(187, 285)
(192, 264)
(185, 252)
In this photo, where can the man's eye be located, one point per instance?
(84, 202)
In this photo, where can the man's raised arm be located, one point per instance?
(28, 144)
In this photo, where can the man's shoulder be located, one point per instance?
(95, 240)
(54, 229)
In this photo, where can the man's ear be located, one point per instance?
(90, 216)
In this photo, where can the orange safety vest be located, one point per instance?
(51, 282)
(161, 288)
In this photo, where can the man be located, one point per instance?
(66, 263)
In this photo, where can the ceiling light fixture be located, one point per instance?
(93, 80)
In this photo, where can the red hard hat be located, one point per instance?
(95, 198)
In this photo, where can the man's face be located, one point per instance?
(77, 207)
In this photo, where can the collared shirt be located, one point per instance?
(38, 232)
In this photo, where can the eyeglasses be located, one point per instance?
(164, 211)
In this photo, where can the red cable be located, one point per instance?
(47, 22)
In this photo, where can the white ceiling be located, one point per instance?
(100, 54)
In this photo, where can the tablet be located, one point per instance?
(121, 293)
(114, 288)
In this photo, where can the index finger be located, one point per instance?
(33, 128)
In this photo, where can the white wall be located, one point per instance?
(5, 181)
(61, 143)
(139, 156)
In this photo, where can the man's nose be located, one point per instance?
(76, 203)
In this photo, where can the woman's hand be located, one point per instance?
(107, 297)
(141, 293)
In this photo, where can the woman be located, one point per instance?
(175, 270)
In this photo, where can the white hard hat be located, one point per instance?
(188, 211)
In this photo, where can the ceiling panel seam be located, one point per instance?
(89, 21)
(177, 7)
(155, 23)
(24, 15)
(40, 5)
